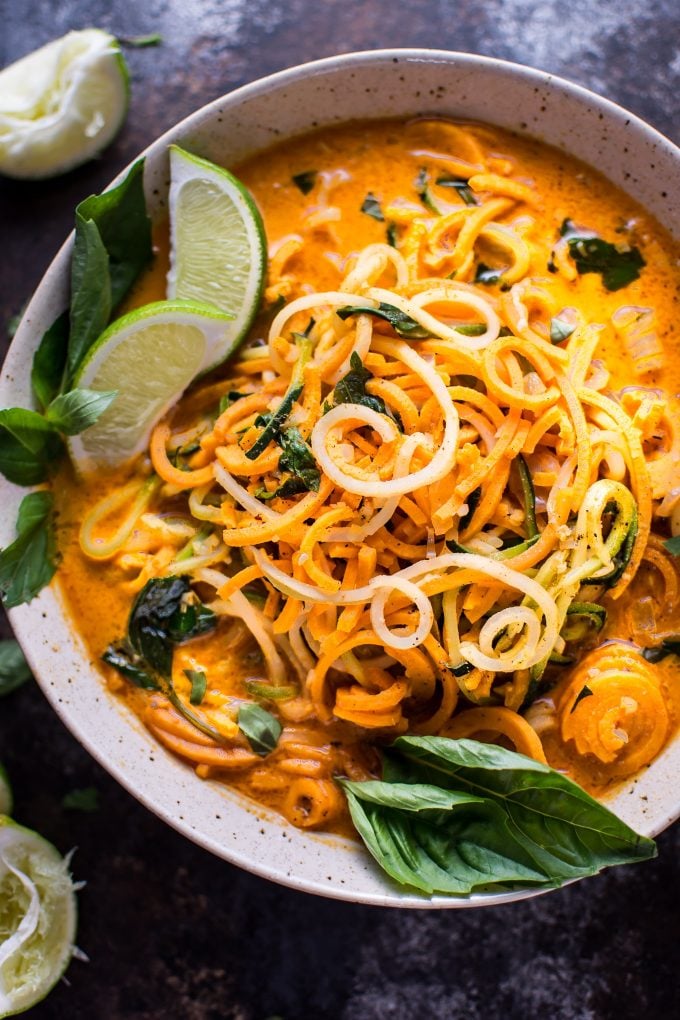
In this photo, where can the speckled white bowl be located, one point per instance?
(361, 85)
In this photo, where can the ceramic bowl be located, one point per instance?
(361, 85)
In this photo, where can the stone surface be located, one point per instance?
(172, 932)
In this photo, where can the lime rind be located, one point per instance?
(6, 798)
(39, 914)
(62, 104)
(218, 249)
(149, 356)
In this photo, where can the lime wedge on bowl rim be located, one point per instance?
(149, 356)
(37, 917)
(218, 249)
(6, 800)
(61, 104)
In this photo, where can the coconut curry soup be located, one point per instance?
(432, 493)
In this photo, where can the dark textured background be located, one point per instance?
(172, 932)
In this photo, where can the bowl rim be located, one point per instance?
(20, 617)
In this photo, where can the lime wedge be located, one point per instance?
(6, 801)
(149, 357)
(37, 917)
(62, 104)
(218, 249)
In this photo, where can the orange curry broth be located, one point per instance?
(374, 157)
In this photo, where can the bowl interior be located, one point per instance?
(235, 127)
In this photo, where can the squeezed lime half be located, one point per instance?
(61, 104)
(37, 917)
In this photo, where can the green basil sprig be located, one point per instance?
(112, 246)
(459, 816)
(272, 422)
(261, 729)
(164, 614)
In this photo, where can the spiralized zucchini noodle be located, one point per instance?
(417, 496)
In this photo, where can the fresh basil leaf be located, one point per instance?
(86, 800)
(14, 670)
(134, 668)
(91, 302)
(559, 828)
(155, 606)
(305, 181)
(464, 190)
(371, 206)
(161, 617)
(672, 545)
(130, 665)
(29, 445)
(391, 234)
(298, 459)
(112, 246)
(191, 620)
(29, 563)
(487, 274)
(658, 652)
(424, 194)
(260, 727)
(351, 389)
(585, 692)
(49, 361)
(125, 229)
(560, 330)
(618, 266)
(273, 422)
(199, 684)
(439, 840)
(75, 411)
(402, 324)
